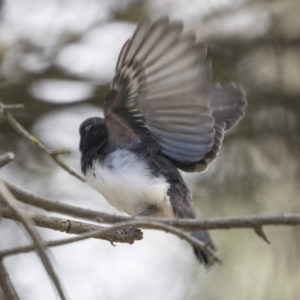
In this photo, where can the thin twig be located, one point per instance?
(4, 107)
(6, 284)
(260, 232)
(12, 203)
(144, 222)
(74, 227)
(37, 143)
(6, 158)
(251, 222)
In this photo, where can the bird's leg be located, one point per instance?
(149, 211)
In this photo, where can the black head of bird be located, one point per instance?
(161, 114)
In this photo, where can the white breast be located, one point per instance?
(128, 185)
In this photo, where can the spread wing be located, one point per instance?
(162, 86)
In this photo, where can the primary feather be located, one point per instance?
(162, 83)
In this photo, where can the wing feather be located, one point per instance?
(228, 103)
(162, 87)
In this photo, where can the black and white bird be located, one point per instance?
(161, 114)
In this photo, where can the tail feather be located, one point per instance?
(181, 200)
(203, 258)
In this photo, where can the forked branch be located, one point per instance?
(36, 142)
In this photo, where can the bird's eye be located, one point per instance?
(87, 127)
(84, 129)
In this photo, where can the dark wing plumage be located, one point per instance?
(162, 82)
(163, 86)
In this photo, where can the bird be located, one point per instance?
(162, 115)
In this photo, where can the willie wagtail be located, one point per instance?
(161, 114)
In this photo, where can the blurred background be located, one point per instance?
(57, 57)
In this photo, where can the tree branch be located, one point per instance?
(74, 227)
(12, 203)
(6, 158)
(251, 222)
(143, 222)
(6, 284)
(37, 143)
